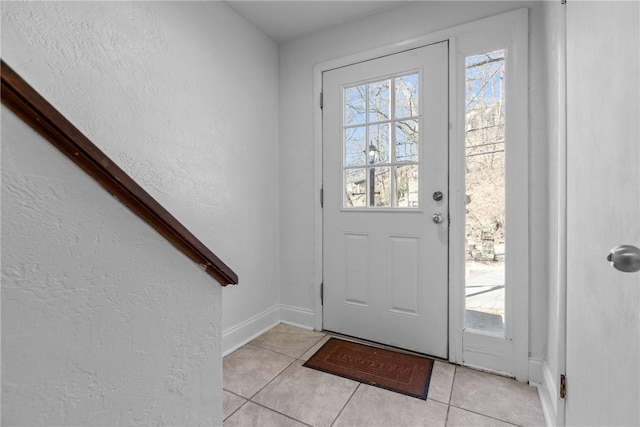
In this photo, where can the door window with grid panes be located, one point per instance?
(381, 141)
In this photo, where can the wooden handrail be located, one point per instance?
(33, 109)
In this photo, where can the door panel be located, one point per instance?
(603, 211)
(405, 270)
(385, 152)
(356, 268)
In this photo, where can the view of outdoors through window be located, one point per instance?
(485, 192)
(380, 139)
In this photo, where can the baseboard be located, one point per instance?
(548, 392)
(295, 316)
(237, 336)
(535, 371)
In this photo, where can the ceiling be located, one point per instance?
(283, 21)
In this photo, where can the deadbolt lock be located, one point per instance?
(437, 196)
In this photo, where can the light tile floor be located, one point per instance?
(265, 385)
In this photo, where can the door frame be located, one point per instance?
(516, 22)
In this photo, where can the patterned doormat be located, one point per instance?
(399, 372)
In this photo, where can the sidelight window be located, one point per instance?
(485, 229)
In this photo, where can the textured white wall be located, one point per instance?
(103, 322)
(296, 136)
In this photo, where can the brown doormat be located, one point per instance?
(399, 372)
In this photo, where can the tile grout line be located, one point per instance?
(285, 354)
(455, 372)
(345, 404)
(486, 416)
(257, 392)
(446, 419)
(272, 380)
(236, 410)
(453, 381)
(234, 393)
(278, 412)
(324, 335)
(295, 359)
(270, 349)
(306, 360)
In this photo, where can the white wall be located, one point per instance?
(297, 201)
(103, 322)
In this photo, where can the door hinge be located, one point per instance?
(322, 293)
(321, 100)
(563, 386)
(322, 197)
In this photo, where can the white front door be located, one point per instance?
(385, 180)
(603, 211)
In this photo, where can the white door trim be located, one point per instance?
(517, 20)
(552, 404)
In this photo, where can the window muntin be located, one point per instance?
(381, 143)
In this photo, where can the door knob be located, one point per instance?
(437, 217)
(625, 258)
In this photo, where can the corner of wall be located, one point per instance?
(240, 334)
(535, 371)
(296, 316)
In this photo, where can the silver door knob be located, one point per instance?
(437, 217)
(625, 258)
